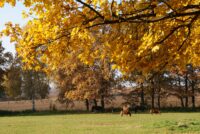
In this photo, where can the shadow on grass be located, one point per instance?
(180, 109)
(39, 113)
(47, 113)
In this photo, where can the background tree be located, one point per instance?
(77, 81)
(5, 58)
(13, 80)
(35, 85)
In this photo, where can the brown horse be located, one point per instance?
(154, 111)
(125, 110)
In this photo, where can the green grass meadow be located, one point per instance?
(166, 123)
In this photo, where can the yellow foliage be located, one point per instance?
(141, 35)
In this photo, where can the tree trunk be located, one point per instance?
(102, 101)
(186, 91)
(159, 96)
(33, 102)
(87, 104)
(142, 96)
(181, 97)
(95, 102)
(193, 95)
(158, 101)
(182, 102)
(152, 95)
(32, 92)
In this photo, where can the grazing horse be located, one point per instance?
(125, 110)
(154, 111)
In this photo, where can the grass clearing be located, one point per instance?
(166, 123)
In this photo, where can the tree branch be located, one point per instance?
(91, 8)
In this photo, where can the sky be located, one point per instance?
(13, 14)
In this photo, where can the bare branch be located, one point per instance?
(169, 34)
(189, 31)
(169, 6)
(91, 8)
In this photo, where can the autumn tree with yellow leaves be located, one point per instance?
(141, 34)
(145, 35)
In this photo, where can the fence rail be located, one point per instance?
(48, 104)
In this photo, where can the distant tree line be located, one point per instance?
(100, 83)
(17, 84)
(176, 83)
(97, 83)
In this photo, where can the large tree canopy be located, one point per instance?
(147, 35)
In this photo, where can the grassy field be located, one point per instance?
(169, 123)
